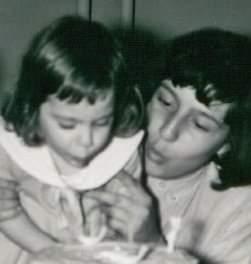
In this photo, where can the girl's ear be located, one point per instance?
(216, 180)
(223, 150)
(219, 161)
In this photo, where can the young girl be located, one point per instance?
(57, 132)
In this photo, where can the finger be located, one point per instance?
(8, 194)
(109, 207)
(67, 210)
(117, 223)
(127, 230)
(4, 183)
(91, 210)
(121, 203)
(117, 218)
(94, 217)
(129, 213)
(89, 205)
(10, 213)
(118, 227)
(135, 191)
(120, 208)
(9, 204)
(104, 197)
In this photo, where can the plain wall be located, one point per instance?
(171, 17)
(19, 19)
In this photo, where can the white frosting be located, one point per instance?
(118, 256)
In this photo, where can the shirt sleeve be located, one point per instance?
(232, 243)
(6, 167)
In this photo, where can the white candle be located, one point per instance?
(175, 223)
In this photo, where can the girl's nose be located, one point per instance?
(171, 129)
(86, 136)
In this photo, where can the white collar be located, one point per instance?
(37, 162)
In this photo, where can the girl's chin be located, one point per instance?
(79, 163)
(151, 167)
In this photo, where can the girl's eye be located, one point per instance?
(67, 126)
(205, 124)
(202, 127)
(164, 101)
(103, 122)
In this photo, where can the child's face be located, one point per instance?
(75, 133)
(183, 133)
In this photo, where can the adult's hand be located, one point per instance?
(129, 208)
(9, 200)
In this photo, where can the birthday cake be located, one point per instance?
(115, 253)
(94, 250)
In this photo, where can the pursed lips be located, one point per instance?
(79, 161)
(154, 155)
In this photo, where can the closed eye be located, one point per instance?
(164, 101)
(103, 121)
(202, 127)
(206, 124)
(67, 126)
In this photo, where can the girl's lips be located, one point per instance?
(79, 162)
(154, 155)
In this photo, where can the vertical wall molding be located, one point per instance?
(84, 8)
(128, 14)
(127, 11)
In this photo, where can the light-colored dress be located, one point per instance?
(42, 187)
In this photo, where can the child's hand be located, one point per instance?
(129, 209)
(94, 217)
(54, 255)
(9, 200)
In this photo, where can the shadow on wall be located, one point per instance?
(2, 80)
(145, 54)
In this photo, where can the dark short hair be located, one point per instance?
(222, 59)
(73, 59)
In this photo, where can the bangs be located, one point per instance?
(75, 74)
(75, 93)
(80, 83)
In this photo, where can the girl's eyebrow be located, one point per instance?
(218, 122)
(168, 88)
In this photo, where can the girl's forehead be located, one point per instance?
(102, 104)
(75, 90)
(186, 95)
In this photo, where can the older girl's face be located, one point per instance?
(183, 133)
